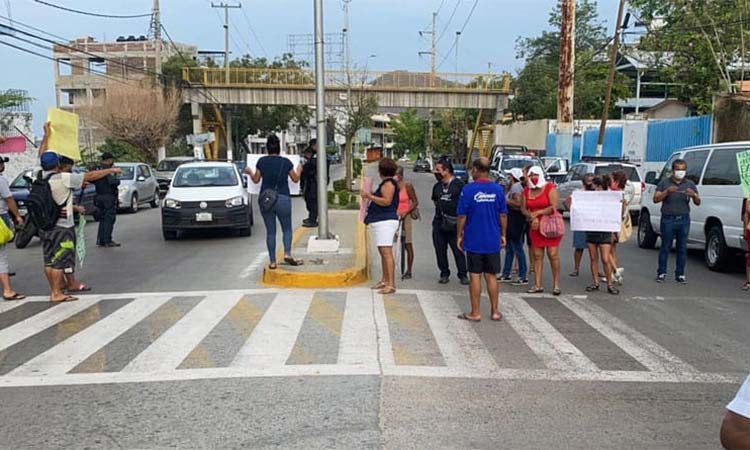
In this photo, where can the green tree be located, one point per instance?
(707, 41)
(409, 131)
(12, 98)
(357, 114)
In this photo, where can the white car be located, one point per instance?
(715, 225)
(206, 195)
(601, 166)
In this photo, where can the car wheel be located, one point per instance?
(155, 202)
(169, 235)
(247, 231)
(25, 235)
(134, 203)
(718, 256)
(646, 236)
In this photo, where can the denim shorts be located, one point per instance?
(579, 240)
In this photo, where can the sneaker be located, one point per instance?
(306, 224)
(444, 280)
(464, 281)
(503, 279)
(681, 279)
(620, 273)
(661, 278)
(523, 282)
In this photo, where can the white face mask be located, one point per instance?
(680, 174)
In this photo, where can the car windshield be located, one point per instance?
(128, 172)
(20, 182)
(205, 177)
(517, 163)
(631, 172)
(169, 165)
(460, 167)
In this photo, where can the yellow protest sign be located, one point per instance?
(64, 137)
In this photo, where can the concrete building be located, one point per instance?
(84, 67)
(18, 121)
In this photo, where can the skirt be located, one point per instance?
(599, 237)
(384, 232)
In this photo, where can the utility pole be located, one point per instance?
(226, 7)
(348, 68)
(433, 70)
(458, 35)
(610, 79)
(157, 37)
(566, 83)
(320, 119)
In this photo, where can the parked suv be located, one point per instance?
(137, 186)
(502, 163)
(602, 166)
(716, 225)
(206, 195)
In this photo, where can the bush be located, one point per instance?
(339, 185)
(344, 198)
(331, 197)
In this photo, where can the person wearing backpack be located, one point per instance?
(274, 200)
(8, 207)
(50, 205)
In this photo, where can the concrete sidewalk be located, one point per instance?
(348, 267)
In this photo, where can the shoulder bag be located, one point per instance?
(269, 196)
(626, 229)
(552, 226)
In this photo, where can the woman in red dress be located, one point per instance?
(540, 199)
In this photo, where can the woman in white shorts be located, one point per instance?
(382, 219)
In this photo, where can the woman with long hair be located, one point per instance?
(407, 205)
(619, 182)
(382, 219)
(600, 244)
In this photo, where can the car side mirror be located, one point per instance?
(651, 177)
(141, 178)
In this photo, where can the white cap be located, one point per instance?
(516, 173)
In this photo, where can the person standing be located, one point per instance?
(619, 183)
(600, 243)
(445, 194)
(674, 194)
(309, 181)
(540, 199)
(746, 233)
(276, 171)
(735, 429)
(382, 219)
(407, 208)
(579, 237)
(106, 203)
(482, 224)
(515, 231)
(8, 208)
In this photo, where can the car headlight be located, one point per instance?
(172, 203)
(122, 189)
(235, 201)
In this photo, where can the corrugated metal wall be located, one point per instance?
(612, 142)
(667, 136)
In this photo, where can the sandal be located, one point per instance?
(387, 290)
(15, 296)
(67, 299)
(497, 318)
(406, 276)
(613, 290)
(574, 274)
(469, 319)
(272, 266)
(557, 292)
(81, 288)
(380, 285)
(592, 288)
(535, 290)
(293, 262)
(746, 287)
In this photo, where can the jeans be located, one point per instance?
(515, 248)
(441, 241)
(106, 206)
(311, 202)
(674, 227)
(282, 211)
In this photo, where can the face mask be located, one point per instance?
(680, 174)
(438, 176)
(534, 181)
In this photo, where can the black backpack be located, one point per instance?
(42, 207)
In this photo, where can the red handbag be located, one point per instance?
(552, 226)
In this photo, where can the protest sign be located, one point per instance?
(364, 204)
(63, 139)
(743, 166)
(252, 163)
(13, 144)
(596, 211)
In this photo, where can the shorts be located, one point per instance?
(599, 237)
(59, 248)
(483, 263)
(579, 240)
(384, 232)
(408, 224)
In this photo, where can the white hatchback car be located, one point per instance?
(207, 195)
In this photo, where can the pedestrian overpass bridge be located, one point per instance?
(395, 89)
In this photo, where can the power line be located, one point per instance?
(252, 30)
(88, 13)
(466, 23)
(453, 14)
(442, 3)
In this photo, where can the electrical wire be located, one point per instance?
(88, 13)
(450, 19)
(466, 23)
(252, 30)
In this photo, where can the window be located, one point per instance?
(205, 177)
(128, 173)
(631, 172)
(695, 162)
(146, 171)
(722, 168)
(578, 172)
(667, 171)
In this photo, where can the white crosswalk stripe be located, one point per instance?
(371, 341)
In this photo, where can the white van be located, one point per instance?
(716, 225)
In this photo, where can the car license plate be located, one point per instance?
(204, 217)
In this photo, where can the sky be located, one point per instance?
(387, 29)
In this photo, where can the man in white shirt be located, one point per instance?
(735, 430)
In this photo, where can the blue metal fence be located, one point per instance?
(552, 146)
(667, 136)
(612, 142)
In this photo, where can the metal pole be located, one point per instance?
(157, 38)
(433, 69)
(610, 79)
(226, 7)
(638, 93)
(566, 83)
(320, 119)
(458, 34)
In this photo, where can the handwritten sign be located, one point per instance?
(252, 163)
(14, 144)
(596, 211)
(64, 137)
(743, 166)
(367, 183)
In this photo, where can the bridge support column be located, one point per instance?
(501, 104)
(230, 141)
(197, 114)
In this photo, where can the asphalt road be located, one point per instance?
(651, 368)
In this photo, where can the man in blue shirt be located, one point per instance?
(482, 223)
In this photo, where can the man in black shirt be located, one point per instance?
(309, 184)
(106, 203)
(445, 195)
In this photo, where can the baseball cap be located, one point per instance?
(49, 159)
(517, 173)
(107, 155)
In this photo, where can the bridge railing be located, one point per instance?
(303, 78)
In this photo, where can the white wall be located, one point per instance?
(532, 134)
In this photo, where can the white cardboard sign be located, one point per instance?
(596, 211)
(252, 163)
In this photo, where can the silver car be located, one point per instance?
(137, 186)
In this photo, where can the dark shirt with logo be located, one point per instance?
(678, 203)
(445, 196)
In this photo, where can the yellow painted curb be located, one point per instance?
(351, 276)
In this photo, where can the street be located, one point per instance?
(178, 346)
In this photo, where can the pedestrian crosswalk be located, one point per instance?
(275, 333)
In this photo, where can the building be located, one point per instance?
(83, 68)
(18, 121)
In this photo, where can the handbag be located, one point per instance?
(552, 226)
(416, 215)
(6, 233)
(269, 196)
(626, 229)
(448, 224)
